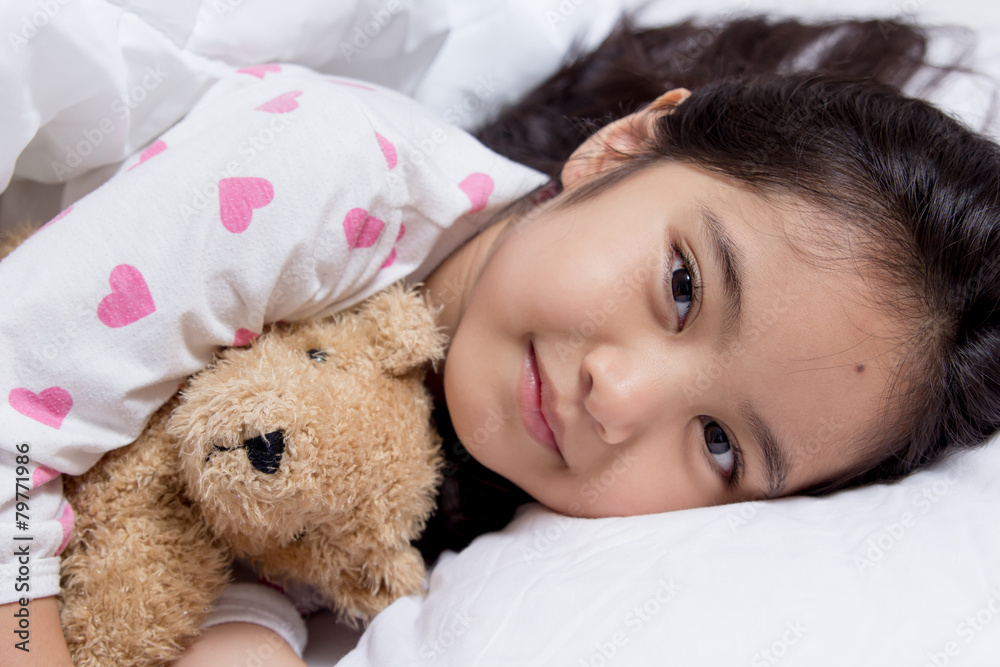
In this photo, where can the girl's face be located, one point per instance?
(663, 346)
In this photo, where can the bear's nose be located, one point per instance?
(264, 451)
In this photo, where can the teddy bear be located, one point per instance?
(310, 453)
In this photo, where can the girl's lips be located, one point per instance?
(529, 399)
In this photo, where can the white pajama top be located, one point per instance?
(284, 194)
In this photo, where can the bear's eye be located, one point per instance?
(299, 535)
(317, 355)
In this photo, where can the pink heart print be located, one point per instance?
(351, 84)
(42, 475)
(282, 103)
(238, 197)
(392, 255)
(244, 337)
(154, 149)
(388, 150)
(49, 407)
(259, 71)
(129, 300)
(478, 187)
(57, 218)
(362, 230)
(66, 520)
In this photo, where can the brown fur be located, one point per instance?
(158, 522)
(14, 237)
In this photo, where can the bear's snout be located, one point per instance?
(265, 451)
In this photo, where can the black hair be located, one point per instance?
(814, 111)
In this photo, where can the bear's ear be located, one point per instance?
(404, 330)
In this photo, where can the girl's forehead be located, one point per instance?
(813, 351)
(769, 222)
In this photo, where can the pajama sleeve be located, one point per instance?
(283, 195)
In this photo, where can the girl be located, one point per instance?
(725, 274)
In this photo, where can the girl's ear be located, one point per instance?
(605, 147)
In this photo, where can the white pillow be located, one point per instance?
(906, 574)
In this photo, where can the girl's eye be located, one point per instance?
(723, 453)
(681, 286)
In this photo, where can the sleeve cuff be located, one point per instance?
(39, 579)
(260, 605)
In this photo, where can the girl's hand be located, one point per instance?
(239, 643)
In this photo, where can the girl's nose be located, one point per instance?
(617, 394)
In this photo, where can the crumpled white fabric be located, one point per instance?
(89, 82)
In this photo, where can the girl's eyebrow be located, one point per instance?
(776, 464)
(727, 255)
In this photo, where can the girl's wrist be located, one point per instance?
(42, 642)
